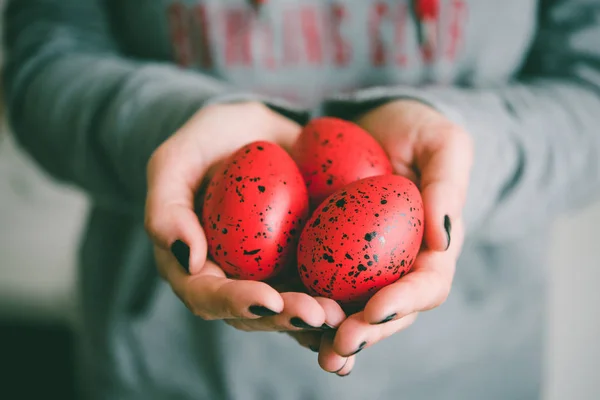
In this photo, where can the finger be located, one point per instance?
(347, 369)
(355, 334)
(334, 315)
(239, 324)
(443, 158)
(300, 312)
(329, 360)
(211, 295)
(175, 173)
(308, 339)
(425, 287)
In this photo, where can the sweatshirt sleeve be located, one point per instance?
(86, 113)
(537, 140)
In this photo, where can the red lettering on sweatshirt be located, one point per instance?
(457, 21)
(341, 48)
(307, 35)
(238, 29)
(312, 35)
(400, 25)
(377, 15)
(291, 40)
(179, 23)
(204, 50)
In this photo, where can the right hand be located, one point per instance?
(176, 171)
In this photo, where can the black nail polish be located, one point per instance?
(298, 323)
(448, 229)
(181, 251)
(362, 346)
(326, 327)
(387, 319)
(314, 348)
(262, 311)
(341, 376)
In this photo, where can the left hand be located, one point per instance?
(436, 154)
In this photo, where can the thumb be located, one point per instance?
(174, 177)
(443, 157)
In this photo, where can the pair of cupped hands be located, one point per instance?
(423, 145)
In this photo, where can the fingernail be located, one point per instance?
(362, 346)
(314, 348)
(448, 229)
(298, 323)
(326, 327)
(262, 311)
(341, 376)
(387, 319)
(181, 251)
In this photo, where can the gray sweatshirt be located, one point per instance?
(94, 86)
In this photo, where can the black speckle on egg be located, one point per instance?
(260, 148)
(340, 203)
(370, 236)
(328, 258)
(251, 252)
(383, 201)
(261, 189)
(316, 222)
(224, 231)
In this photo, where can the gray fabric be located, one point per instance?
(92, 90)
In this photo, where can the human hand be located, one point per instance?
(176, 172)
(424, 146)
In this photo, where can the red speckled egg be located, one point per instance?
(362, 238)
(331, 153)
(253, 211)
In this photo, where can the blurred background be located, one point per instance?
(40, 225)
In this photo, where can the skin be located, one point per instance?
(437, 155)
(175, 172)
(422, 144)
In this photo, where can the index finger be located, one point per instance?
(210, 295)
(174, 176)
